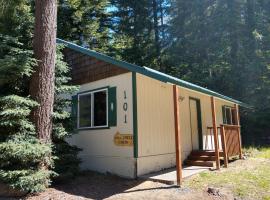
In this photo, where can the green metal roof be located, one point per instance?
(147, 71)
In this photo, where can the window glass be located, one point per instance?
(228, 116)
(234, 121)
(85, 110)
(93, 111)
(100, 108)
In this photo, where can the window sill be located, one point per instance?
(93, 128)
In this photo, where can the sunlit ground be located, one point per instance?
(246, 179)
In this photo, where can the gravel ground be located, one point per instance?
(96, 186)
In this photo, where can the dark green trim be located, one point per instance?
(93, 90)
(94, 128)
(135, 121)
(199, 119)
(112, 100)
(74, 112)
(147, 72)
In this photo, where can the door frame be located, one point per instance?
(199, 120)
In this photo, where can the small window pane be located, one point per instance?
(228, 116)
(85, 110)
(100, 108)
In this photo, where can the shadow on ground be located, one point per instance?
(92, 185)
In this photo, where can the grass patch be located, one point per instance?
(264, 153)
(249, 179)
(261, 152)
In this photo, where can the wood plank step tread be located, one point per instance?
(204, 153)
(200, 163)
(201, 157)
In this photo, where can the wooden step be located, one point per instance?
(201, 157)
(204, 153)
(200, 163)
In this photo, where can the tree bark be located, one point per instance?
(42, 81)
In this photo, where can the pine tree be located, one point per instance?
(133, 28)
(41, 86)
(140, 32)
(20, 151)
(67, 162)
(85, 22)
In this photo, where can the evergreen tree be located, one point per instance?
(133, 24)
(224, 45)
(85, 22)
(20, 150)
(67, 162)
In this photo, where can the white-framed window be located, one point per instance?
(228, 115)
(93, 109)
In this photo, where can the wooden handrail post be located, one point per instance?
(238, 130)
(224, 145)
(213, 107)
(177, 136)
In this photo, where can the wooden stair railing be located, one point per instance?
(231, 141)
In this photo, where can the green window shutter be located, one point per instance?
(224, 115)
(112, 104)
(74, 110)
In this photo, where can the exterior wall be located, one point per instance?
(156, 144)
(99, 151)
(155, 118)
(206, 117)
(156, 139)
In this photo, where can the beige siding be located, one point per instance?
(206, 116)
(155, 112)
(155, 117)
(99, 151)
(156, 143)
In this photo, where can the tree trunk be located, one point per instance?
(42, 82)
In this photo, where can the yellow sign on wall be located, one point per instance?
(123, 139)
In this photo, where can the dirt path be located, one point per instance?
(96, 186)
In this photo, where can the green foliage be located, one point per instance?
(20, 150)
(22, 155)
(85, 22)
(67, 162)
(27, 180)
(16, 20)
(136, 36)
(15, 62)
(247, 179)
(24, 152)
(224, 45)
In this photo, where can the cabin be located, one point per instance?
(132, 120)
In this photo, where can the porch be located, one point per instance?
(229, 146)
(228, 143)
(217, 142)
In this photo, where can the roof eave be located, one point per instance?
(148, 72)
